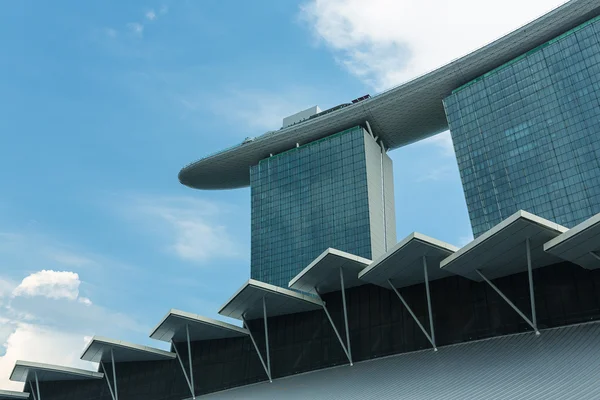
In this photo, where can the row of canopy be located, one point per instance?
(521, 242)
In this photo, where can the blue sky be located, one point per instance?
(104, 101)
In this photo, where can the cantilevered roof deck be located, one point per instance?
(400, 116)
(100, 349)
(247, 302)
(403, 264)
(173, 328)
(10, 395)
(579, 245)
(25, 371)
(323, 274)
(502, 250)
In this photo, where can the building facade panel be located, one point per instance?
(527, 135)
(314, 197)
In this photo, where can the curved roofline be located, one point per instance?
(399, 116)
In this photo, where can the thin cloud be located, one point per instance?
(136, 28)
(150, 15)
(194, 228)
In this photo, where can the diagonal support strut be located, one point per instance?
(412, 314)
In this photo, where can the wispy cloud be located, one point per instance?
(136, 28)
(150, 15)
(391, 41)
(193, 228)
(442, 142)
(255, 109)
(110, 32)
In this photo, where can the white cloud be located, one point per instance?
(85, 300)
(391, 41)
(136, 28)
(38, 344)
(150, 15)
(50, 284)
(194, 227)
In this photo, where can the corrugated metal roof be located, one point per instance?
(561, 363)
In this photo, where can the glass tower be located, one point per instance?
(335, 192)
(527, 134)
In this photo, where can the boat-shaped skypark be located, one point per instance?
(405, 114)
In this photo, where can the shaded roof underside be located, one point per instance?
(99, 349)
(10, 395)
(173, 327)
(23, 371)
(400, 116)
(502, 251)
(579, 245)
(403, 264)
(247, 301)
(559, 364)
(324, 272)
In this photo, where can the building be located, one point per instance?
(337, 309)
(334, 192)
(526, 134)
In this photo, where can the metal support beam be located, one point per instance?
(112, 359)
(431, 329)
(369, 129)
(412, 314)
(531, 292)
(37, 386)
(348, 346)
(266, 335)
(262, 361)
(112, 393)
(334, 328)
(32, 390)
(595, 255)
(189, 344)
(510, 303)
(189, 382)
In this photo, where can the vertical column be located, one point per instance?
(345, 315)
(431, 329)
(193, 389)
(531, 293)
(37, 387)
(112, 358)
(266, 336)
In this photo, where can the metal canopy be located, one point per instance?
(173, 327)
(323, 274)
(10, 395)
(399, 116)
(99, 350)
(247, 302)
(579, 245)
(403, 264)
(25, 371)
(501, 250)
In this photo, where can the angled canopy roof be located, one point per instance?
(403, 264)
(501, 251)
(24, 371)
(579, 245)
(247, 301)
(173, 327)
(99, 349)
(399, 116)
(10, 395)
(324, 272)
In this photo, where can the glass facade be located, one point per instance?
(306, 200)
(527, 135)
